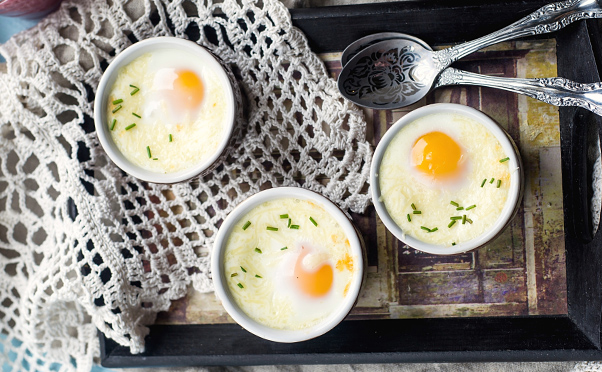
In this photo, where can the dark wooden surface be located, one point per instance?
(572, 337)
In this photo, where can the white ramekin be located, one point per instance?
(515, 192)
(102, 97)
(219, 278)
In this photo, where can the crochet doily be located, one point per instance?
(84, 246)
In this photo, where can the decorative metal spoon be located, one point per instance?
(401, 69)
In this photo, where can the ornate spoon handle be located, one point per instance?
(549, 18)
(555, 91)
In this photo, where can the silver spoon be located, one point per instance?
(400, 70)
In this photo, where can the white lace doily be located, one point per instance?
(84, 246)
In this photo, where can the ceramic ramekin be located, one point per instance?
(514, 195)
(102, 97)
(219, 276)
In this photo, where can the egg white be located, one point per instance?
(402, 185)
(196, 134)
(275, 300)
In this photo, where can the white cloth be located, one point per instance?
(84, 246)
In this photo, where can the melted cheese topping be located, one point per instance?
(402, 185)
(293, 288)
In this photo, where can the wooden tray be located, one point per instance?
(573, 336)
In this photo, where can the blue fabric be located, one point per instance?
(10, 26)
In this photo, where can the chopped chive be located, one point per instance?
(469, 220)
(271, 228)
(435, 229)
(451, 224)
(155, 158)
(504, 159)
(425, 228)
(170, 138)
(409, 218)
(454, 243)
(491, 181)
(295, 227)
(499, 183)
(117, 101)
(246, 225)
(417, 212)
(243, 269)
(134, 91)
(463, 219)
(117, 109)
(313, 221)
(258, 276)
(283, 248)
(413, 206)
(289, 223)
(284, 216)
(471, 207)
(148, 151)
(130, 126)
(455, 218)
(133, 86)
(460, 208)
(240, 285)
(136, 115)
(454, 203)
(233, 275)
(258, 250)
(483, 183)
(113, 124)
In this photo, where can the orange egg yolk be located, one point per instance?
(437, 155)
(189, 89)
(315, 283)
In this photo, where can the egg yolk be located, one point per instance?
(313, 283)
(188, 88)
(437, 155)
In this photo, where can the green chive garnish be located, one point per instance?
(136, 115)
(271, 228)
(454, 203)
(455, 218)
(258, 276)
(284, 216)
(283, 248)
(117, 101)
(243, 269)
(296, 227)
(492, 180)
(113, 124)
(240, 285)
(471, 207)
(130, 126)
(246, 225)
(469, 220)
(289, 223)
(136, 89)
(454, 243)
(504, 159)
(170, 138)
(133, 86)
(413, 206)
(463, 219)
(451, 224)
(417, 212)
(155, 158)
(233, 275)
(425, 228)
(148, 151)
(116, 109)
(409, 218)
(257, 250)
(460, 208)
(313, 221)
(435, 229)
(483, 183)
(499, 183)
